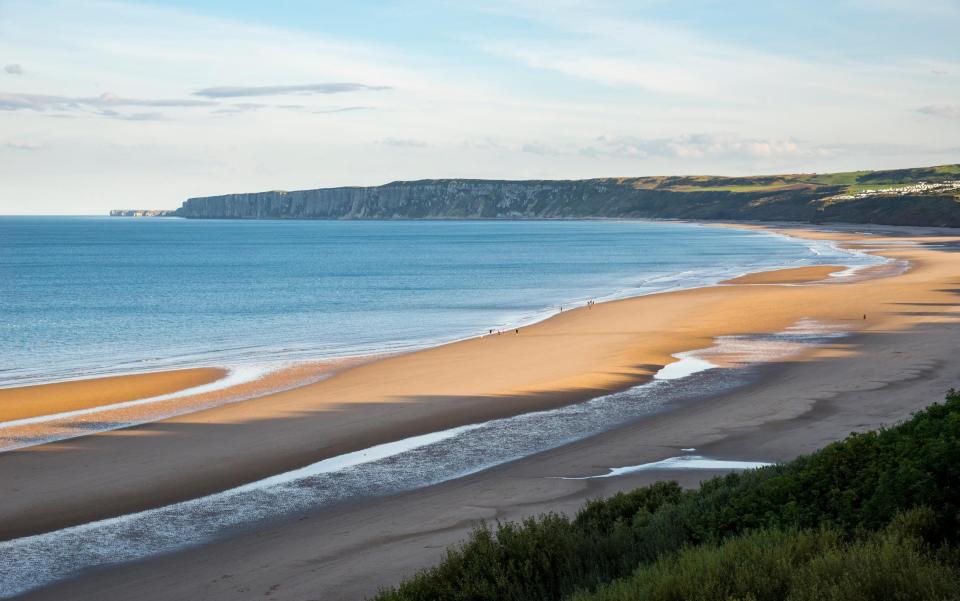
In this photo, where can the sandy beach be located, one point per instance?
(45, 399)
(902, 355)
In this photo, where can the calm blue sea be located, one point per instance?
(84, 296)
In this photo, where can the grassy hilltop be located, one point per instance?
(927, 196)
(873, 517)
(849, 182)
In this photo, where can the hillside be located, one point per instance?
(927, 196)
(875, 516)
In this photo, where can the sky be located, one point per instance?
(123, 104)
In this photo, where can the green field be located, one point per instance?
(739, 188)
(852, 181)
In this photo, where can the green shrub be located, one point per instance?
(853, 487)
(811, 565)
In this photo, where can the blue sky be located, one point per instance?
(143, 104)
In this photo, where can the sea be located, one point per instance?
(93, 296)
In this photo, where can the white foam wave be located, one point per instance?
(683, 462)
(687, 364)
(235, 376)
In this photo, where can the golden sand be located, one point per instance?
(44, 399)
(575, 355)
(797, 275)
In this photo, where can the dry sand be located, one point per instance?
(44, 399)
(904, 356)
(797, 275)
(103, 399)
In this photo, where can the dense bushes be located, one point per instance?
(811, 565)
(852, 488)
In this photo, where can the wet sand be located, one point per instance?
(573, 356)
(348, 552)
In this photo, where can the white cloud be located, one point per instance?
(403, 142)
(314, 88)
(949, 111)
(22, 146)
(699, 146)
(342, 109)
(544, 149)
(12, 101)
(131, 116)
(13, 69)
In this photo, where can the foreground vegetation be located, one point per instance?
(872, 517)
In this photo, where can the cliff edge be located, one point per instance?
(928, 196)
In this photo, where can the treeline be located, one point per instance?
(874, 516)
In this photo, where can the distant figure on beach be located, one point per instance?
(864, 315)
(517, 330)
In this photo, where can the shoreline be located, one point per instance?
(211, 387)
(616, 293)
(358, 422)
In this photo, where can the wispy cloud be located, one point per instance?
(27, 147)
(314, 88)
(698, 146)
(241, 107)
(345, 109)
(545, 149)
(627, 51)
(486, 143)
(131, 116)
(719, 146)
(247, 107)
(403, 142)
(949, 111)
(13, 69)
(12, 101)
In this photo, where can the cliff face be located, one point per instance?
(545, 199)
(422, 200)
(481, 199)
